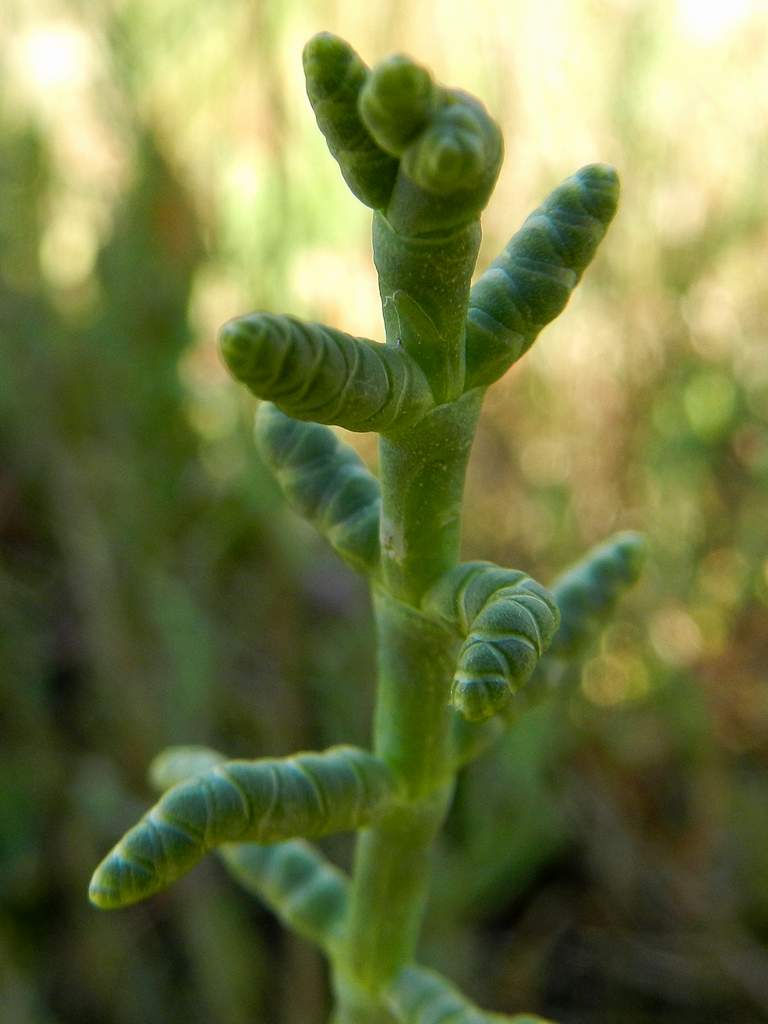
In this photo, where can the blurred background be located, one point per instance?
(160, 172)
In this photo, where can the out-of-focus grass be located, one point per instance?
(161, 172)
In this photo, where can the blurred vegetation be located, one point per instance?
(160, 171)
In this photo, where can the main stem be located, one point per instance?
(422, 481)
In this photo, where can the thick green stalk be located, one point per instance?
(422, 481)
(391, 872)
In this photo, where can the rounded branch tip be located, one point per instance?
(325, 47)
(99, 895)
(454, 151)
(247, 342)
(633, 549)
(326, 60)
(117, 883)
(604, 175)
(479, 698)
(397, 101)
(235, 346)
(601, 181)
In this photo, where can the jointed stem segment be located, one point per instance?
(317, 373)
(531, 281)
(506, 621)
(425, 158)
(230, 801)
(326, 481)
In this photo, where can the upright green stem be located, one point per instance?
(392, 863)
(422, 481)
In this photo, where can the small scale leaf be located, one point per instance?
(407, 320)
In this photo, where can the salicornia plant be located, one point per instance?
(460, 645)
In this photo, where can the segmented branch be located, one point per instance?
(293, 878)
(304, 889)
(531, 281)
(326, 481)
(588, 592)
(507, 621)
(335, 77)
(420, 996)
(313, 372)
(311, 895)
(266, 800)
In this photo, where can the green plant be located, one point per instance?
(461, 646)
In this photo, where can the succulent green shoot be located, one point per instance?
(335, 78)
(589, 591)
(529, 284)
(326, 481)
(313, 372)
(462, 647)
(447, 173)
(507, 621)
(267, 800)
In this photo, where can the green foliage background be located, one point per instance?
(160, 171)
